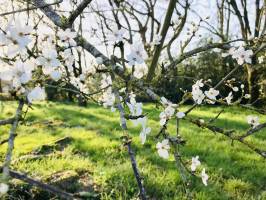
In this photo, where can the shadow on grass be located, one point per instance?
(112, 158)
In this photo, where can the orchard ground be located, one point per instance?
(90, 156)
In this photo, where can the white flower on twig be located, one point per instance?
(67, 37)
(180, 115)
(140, 70)
(136, 55)
(48, 60)
(37, 94)
(253, 120)
(229, 98)
(211, 94)
(204, 177)
(197, 93)
(145, 130)
(17, 38)
(157, 40)
(117, 35)
(242, 55)
(195, 163)
(162, 148)
(261, 59)
(3, 188)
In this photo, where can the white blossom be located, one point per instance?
(157, 39)
(247, 96)
(230, 52)
(197, 93)
(195, 163)
(229, 98)
(68, 59)
(17, 38)
(108, 98)
(140, 70)
(135, 108)
(253, 120)
(143, 134)
(3, 188)
(13, 77)
(67, 37)
(56, 75)
(145, 130)
(48, 60)
(199, 83)
(164, 101)
(136, 55)
(180, 115)
(235, 89)
(163, 148)
(117, 35)
(211, 94)
(37, 94)
(168, 112)
(106, 81)
(261, 59)
(204, 177)
(75, 81)
(242, 55)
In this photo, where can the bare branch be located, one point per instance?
(129, 148)
(228, 133)
(225, 45)
(37, 183)
(253, 130)
(6, 121)
(158, 49)
(12, 135)
(80, 8)
(31, 8)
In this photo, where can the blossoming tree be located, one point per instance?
(43, 40)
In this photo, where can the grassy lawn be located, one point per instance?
(96, 153)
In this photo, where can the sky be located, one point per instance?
(203, 8)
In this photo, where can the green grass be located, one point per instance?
(235, 171)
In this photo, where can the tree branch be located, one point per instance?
(129, 148)
(228, 133)
(195, 51)
(39, 184)
(30, 8)
(6, 121)
(80, 8)
(253, 130)
(158, 49)
(12, 135)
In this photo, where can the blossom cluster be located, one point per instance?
(136, 111)
(23, 59)
(240, 54)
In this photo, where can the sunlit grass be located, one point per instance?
(235, 171)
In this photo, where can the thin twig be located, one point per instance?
(30, 8)
(253, 130)
(12, 135)
(39, 184)
(129, 148)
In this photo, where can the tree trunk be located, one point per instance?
(252, 80)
